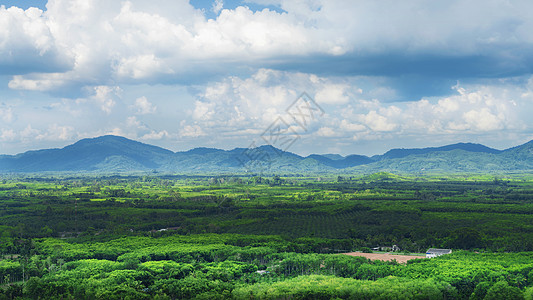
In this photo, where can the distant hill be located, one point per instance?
(470, 147)
(517, 159)
(341, 162)
(118, 154)
(89, 155)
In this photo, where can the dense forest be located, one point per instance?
(173, 237)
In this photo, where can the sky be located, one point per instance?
(373, 75)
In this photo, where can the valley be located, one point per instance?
(173, 237)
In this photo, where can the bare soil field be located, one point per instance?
(385, 256)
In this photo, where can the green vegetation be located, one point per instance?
(264, 237)
(111, 154)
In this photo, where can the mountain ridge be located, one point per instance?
(111, 153)
(402, 152)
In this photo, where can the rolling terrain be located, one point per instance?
(118, 154)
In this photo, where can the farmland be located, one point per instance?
(175, 237)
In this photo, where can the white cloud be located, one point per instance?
(333, 94)
(141, 67)
(56, 132)
(327, 132)
(483, 120)
(138, 129)
(38, 82)
(143, 106)
(447, 105)
(134, 41)
(133, 122)
(110, 42)
(105, 97)
(192, 131)
(7, 134)
(258, 100)
(347, 126)
(377, 122)
(217, 6)
(203, 110)
(29, 133)
(26, 34)
(155, 135)
(249, 105)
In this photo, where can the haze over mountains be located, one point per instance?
(109, 154)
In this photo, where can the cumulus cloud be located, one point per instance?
(193, 131)
(143, 106)
(133, 122)
(105, 97)
(29, 133)
(377, 122)
(333, 94)
(217, 6)
(327, 132)
(244, 68)
(7, 134)
(133, 42)
(155, 135)
(203, 110)
(139, 129)
(38, 82)
(141, 67)
(483, 119)
(255, 103)
(26, 34)
(237, 111)
(57, 132)
(98, 42)
(346, 126)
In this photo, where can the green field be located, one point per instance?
(175, 237)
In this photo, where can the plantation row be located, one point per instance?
(415, 213)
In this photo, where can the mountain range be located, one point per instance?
(111, 154)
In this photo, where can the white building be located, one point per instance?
(432, 252)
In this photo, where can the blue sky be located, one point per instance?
(182, 74)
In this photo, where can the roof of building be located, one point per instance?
(439, 251)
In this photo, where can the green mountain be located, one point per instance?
(470, 147)
(89, 155)
(517, 159)
(118, 154)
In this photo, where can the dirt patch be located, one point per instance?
(385, 256)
